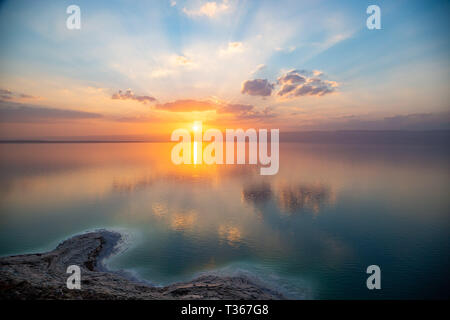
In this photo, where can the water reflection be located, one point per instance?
(315, 217)
(290, 199)
(257, 194)
(159, 209)
(231, 234)
(126, 186)
(181, 221)
(304, 198)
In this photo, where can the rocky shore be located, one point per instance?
(43, 276)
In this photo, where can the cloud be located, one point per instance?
(232, 48)
(235, 108)
(171, 65)
(402, 122)
(133, 119)
(5, 91)
(208, 9)
(16, 112)
(129, 95)
(257, 87)
(259, 68)
(6, 94)
(187, 106)
(289, 49)
(418, 121)
(297, 83)
(182, 61)
(26, 96)
(254, 114)
(161, 73)
(238, 111)
(294, 83)
(5, 97)
(245, 111)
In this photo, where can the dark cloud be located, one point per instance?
(297, 83)
(129, 95)
(246, 111)
(417, 121)
(187, 106)
(292, 78)
(134, 119)
(255, 114)
(17, 112)
(26, 96)
(257, 87)
(414, 117)
(286, 89)
(6, 94)
(409, 122)
(239, 111)
(235, 108)
(305, 90)
(294, 83)
(6, 97)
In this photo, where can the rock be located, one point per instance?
(43, 276)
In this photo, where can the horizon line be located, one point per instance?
(287, 136)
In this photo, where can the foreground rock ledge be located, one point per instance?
(43, 276)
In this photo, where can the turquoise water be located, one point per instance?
(311, 230)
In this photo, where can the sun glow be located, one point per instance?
(235, 153)
(197, 127)
(195, 152)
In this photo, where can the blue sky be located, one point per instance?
(213, 51)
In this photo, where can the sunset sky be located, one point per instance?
(145, 68)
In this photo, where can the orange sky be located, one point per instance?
(150, 69)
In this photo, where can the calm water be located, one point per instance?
(311, 230)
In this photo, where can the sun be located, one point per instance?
(197, 126)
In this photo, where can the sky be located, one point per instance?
(145, 68)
